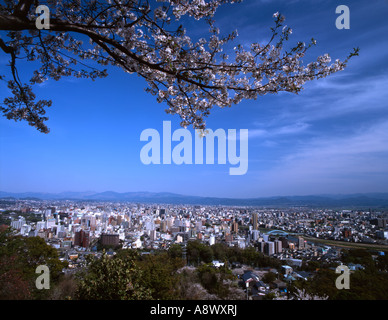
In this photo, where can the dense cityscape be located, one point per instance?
(200, 151)
(295, 237)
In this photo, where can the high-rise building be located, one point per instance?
(163, 226)
(110, 239)
(18, 223)
(47, 213)
(170, 223)
(153, 235)
(81, 238)
(192, 233)
(50, 223)
(255, 218)
(284, 241)
(300, 243)
(228, 237)
(149, 225)
(261, 246)
(278, 246)
(269, 248)
(346, 232)
(235, 227)
(255, 235)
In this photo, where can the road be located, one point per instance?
(344, 244)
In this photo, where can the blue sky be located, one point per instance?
(331, 138)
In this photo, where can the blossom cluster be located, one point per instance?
(149, 39)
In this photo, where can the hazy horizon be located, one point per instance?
(192, 195)
(332, 138)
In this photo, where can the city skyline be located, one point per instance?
(283, 241)
(371, 201)
(332, 138)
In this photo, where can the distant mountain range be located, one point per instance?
(328, 200)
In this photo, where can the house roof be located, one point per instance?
(280, 284)
(303, 274)
(250, 276)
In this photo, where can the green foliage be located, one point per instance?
(358, 256)
(212, 279)
(5, 220)
(159, 275)
(269, 296)
(220, 251)
(175, 251)
(269, 277)
(382, 263)
(65, 288)
(251, 257)
(13, 286)
(20, 256)
(364, 285)
(311, 266)
(5, 216)
(112, 278)
(131, 276)
(323, 284)
(198, 252)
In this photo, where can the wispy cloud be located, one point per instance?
(354, 162)
(278, 131)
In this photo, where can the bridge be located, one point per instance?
(277, 233)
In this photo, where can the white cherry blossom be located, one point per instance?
(149, 38)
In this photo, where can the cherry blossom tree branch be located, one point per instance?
(191, 77)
